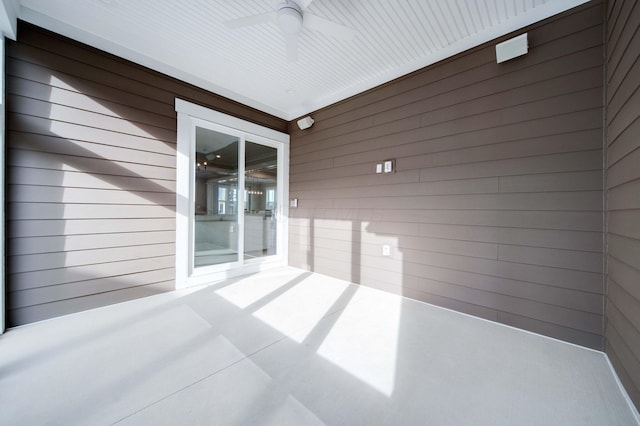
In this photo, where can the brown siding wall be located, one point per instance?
(91, 145)
(496, 208)
(623, 190)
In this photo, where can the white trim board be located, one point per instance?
(190, 115)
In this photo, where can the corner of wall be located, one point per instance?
(2, 221)
(605, 219)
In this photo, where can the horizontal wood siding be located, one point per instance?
(91, 154)
(623, 185)
(496, 205)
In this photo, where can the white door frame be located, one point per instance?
(190, 115)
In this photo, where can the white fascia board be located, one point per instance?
(9, 18)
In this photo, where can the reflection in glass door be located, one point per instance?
(231, 183)
(260, 200)
(216, 209)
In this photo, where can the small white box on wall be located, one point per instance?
(512, 48)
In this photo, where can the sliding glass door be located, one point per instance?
(260, 200)
(231, 187)
(235, 199)
(215, 200)
(217, 209)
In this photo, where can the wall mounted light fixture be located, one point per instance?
(305, 123)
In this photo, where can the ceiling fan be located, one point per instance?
(291, 17)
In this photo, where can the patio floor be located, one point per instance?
(292, 347)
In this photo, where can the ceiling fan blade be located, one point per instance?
(251, 20)
(303, 3)
(292, 48)
(327, 27)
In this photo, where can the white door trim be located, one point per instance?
(189, 115)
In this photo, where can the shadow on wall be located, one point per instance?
(316, 245)
(91, 195)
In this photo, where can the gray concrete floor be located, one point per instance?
(288, 347)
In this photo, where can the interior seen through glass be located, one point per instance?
(260, 190)
(216, 203)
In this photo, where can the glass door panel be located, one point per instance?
(260, 198)
(215, 229)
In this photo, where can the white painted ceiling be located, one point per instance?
(187, 39)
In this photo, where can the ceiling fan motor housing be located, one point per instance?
(289, 17)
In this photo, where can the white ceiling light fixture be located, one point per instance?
(291, 17)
